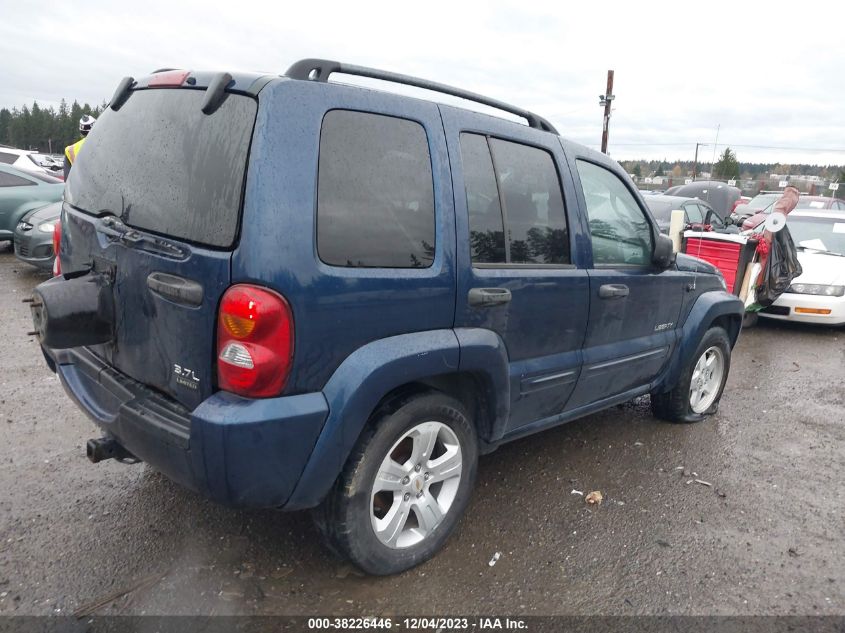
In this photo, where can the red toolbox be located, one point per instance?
(728, 252)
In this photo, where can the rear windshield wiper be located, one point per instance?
(114, 227)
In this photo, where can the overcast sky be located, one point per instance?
(763, 76)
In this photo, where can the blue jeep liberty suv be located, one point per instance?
(286, 292)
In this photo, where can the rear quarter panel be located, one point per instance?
(336, 310)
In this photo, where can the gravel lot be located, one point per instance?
(765, 538)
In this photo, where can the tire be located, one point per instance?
(697, 394)
(749, 319)
(358, 518)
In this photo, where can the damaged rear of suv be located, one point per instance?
(293, 293)
(146, 327)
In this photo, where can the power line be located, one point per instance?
(779, 147)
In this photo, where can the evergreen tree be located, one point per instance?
(5, 125)
(728, 167)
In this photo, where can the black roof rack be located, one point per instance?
(320, 69)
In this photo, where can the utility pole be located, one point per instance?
(695, 162)
(605, 100)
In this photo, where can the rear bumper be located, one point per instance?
(788, 306)
(236, 451)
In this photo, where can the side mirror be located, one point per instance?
(664, 253)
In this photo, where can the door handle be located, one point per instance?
(488, 297)
(176, 289)
(612, 291)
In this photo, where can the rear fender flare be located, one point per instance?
(374, 370)
(483, 354)
(355, 389)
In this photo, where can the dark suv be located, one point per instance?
(293, 293)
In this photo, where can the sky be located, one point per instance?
(738, 74)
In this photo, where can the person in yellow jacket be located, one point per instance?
(72, 151)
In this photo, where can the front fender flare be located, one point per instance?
(707, 308)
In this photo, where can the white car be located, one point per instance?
(818, 295)
(30, 161)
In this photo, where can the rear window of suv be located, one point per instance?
(375, 194)
(163, 166)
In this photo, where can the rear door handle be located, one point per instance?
(488, 297)
(612, 291)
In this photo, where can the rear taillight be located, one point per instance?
(57, 242)
(254, 342)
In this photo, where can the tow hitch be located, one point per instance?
(105, 448)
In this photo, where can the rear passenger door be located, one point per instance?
(634, 306)
(517, 274)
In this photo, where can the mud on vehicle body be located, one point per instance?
(331, 297)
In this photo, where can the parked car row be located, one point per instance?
(750, 215)
(817, 227)
(34, 162)
(696, 212)
(28, 212)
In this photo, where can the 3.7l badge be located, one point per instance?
(185, 377)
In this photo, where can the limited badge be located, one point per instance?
(186, 377)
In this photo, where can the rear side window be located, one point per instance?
(162, 165)
(486, 228)
(375, 194)
(519, 190)
(10, 180)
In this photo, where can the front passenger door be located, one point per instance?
(634, 306)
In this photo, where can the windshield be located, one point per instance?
(763, 201)
(820, 234)
(162, 165)
(812, 204)
(42, 160)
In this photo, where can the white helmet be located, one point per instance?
(86, 123)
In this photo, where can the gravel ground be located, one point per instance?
(765, 538)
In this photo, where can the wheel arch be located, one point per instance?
(714, 308)
(382, 375)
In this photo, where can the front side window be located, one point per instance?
(375, 193)
(514, 202)
(694, 214)
(7, 158)
(620, 232)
